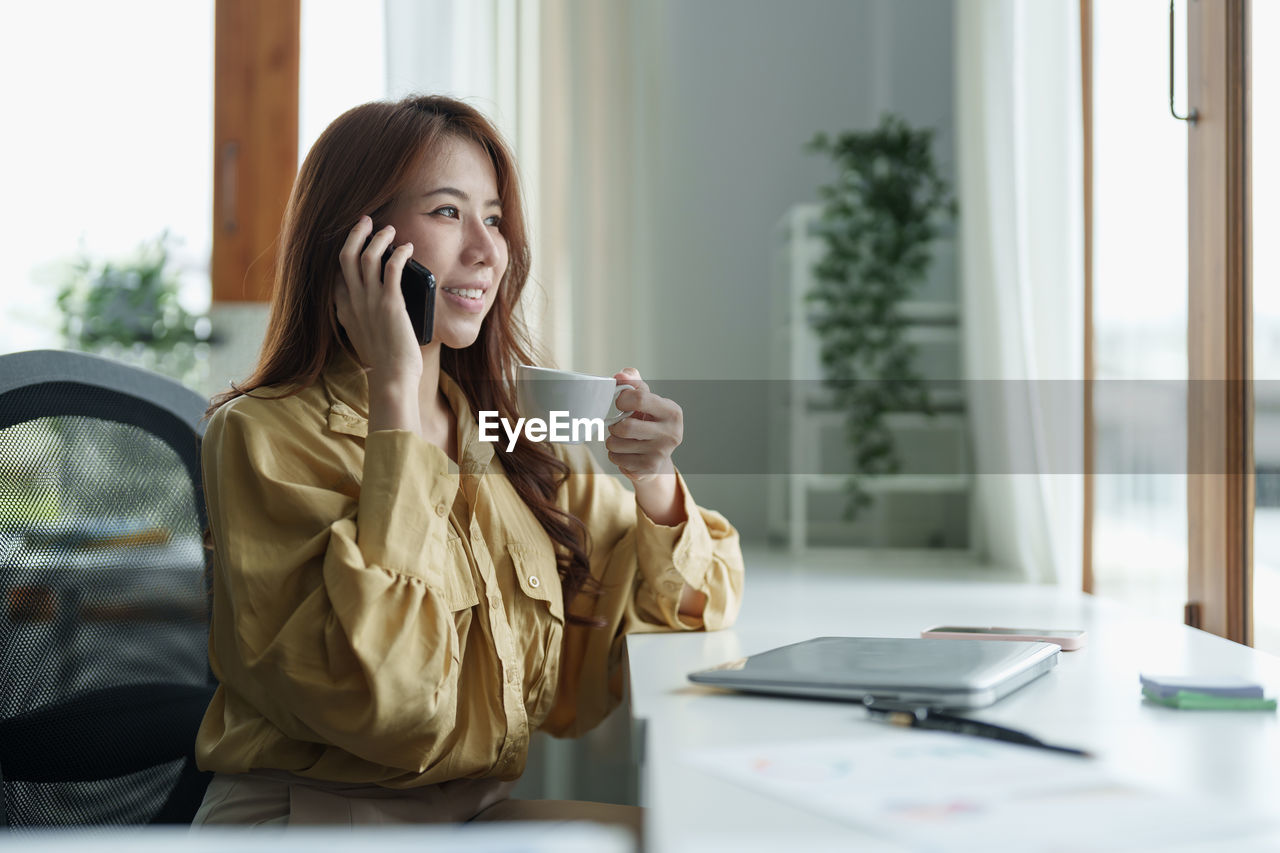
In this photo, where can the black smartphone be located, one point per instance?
(419, 288)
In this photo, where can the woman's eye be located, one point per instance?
(494, 220)
(448, 210)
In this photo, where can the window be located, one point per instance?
(1139, 312)
(1264, 24)
(111, 149)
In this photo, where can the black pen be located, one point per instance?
(924, 718)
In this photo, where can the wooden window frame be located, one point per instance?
(257, 48)
(1220, 478)
(1086, 98)
(1220, 461)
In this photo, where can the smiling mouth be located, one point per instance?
(472, 293)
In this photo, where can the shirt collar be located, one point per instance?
(474, 455)
(347, 387)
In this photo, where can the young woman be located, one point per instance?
(397, 605)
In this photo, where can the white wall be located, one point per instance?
(725, 98)
(741, 85)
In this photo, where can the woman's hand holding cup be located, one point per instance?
(643, 427)
(641, 447)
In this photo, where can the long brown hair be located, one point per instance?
(359, 165)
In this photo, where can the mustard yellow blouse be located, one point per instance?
(381, 615)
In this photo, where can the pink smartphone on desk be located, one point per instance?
(1069, 640)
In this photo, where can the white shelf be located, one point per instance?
(946, 399)
(891, 483)
(908, 509)
(926, 314)
(834, 419)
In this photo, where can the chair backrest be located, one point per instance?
(103, 590)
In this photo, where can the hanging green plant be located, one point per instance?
(129, 310)
(879, 220)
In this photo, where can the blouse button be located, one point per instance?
(442, 510)
(533, 581)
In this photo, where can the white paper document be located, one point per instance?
(940, 791)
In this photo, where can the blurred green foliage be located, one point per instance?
(129, 310)
(879, 220)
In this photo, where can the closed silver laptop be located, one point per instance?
(959, 674)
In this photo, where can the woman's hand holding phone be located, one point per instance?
(371, 309)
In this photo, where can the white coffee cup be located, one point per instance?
(542, 391)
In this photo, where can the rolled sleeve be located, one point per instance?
(702, 552)
(642, 569)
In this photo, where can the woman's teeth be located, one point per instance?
(466, 292)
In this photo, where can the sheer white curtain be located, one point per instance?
(593, 106)
(562, 81)
(1020, 185)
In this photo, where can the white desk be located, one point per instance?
(493, 837)
(1091, 699)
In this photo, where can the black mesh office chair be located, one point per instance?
(104, 673)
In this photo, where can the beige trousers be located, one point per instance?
(276, 798)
